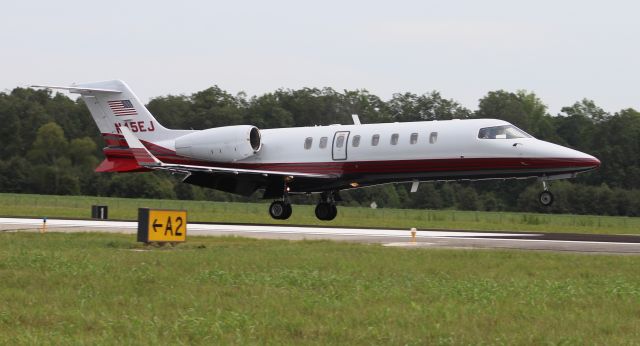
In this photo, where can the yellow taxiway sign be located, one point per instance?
(160, 225)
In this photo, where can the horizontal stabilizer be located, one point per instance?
(79, 90)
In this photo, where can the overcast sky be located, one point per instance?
(561, 50)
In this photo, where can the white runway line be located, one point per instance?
(206, 229)
(408, 244)
(391, 237)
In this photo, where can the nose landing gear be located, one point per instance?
(546, 197)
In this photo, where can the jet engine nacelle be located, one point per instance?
(220, 144)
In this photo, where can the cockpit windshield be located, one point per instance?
(502, 132)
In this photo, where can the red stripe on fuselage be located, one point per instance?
(396, 166)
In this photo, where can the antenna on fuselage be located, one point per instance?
(356, 119)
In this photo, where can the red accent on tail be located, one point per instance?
(121, 158)
(114, 140)
(119, 164)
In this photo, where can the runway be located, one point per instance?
(618, 244)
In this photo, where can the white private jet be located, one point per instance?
(320, 159)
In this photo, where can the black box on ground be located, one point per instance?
(99, 212)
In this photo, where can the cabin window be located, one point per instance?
(394, 138)
(323, 142)
(414, 138)
(375, 140)
(433, 137)
(502, 132)
(340, 141)
(355, 141)
(308, 142)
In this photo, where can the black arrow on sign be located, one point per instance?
(156, 225)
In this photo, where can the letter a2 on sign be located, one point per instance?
(159, 225)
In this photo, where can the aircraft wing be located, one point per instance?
(145, 159)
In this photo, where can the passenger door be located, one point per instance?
(339, 148)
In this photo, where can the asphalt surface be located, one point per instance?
(588, 243)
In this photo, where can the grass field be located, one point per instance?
(125, 208)
(92, 289)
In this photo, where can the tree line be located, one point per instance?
(51, 146)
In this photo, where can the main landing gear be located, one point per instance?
(326, 209)
(280, 210)
(546, 197)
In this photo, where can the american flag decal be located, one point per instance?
(122, 107)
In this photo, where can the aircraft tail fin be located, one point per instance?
(113, 105)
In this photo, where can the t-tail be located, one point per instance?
(113, 105)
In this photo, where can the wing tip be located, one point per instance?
(139, 151)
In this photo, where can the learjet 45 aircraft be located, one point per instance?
(320, 159)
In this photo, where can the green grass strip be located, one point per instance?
(93, 289)
(205, 211)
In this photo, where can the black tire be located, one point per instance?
(287, 211)
(326, 211)
(323, 210)
(277, 210)
(333, 213)
(546, 198)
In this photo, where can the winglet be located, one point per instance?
(140, 153)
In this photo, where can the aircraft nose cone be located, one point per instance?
(594, 161)
(578, 159)
(587, 161)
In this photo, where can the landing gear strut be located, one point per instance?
(546, 197)
(326, 209)
(281, 209)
